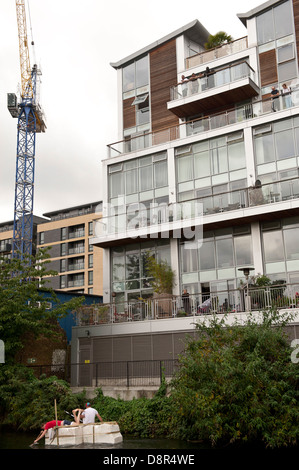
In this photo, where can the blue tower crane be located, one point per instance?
(30, 121)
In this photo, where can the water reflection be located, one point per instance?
(10, 439)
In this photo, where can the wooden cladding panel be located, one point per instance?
(163, 75)
(268, 67)
(296, 23)
(129, 113)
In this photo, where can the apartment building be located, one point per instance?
(6, 236)
(203, 141)
(78, 263)
(67, 234)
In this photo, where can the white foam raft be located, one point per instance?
(97, 433)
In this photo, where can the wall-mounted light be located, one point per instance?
(87, 333)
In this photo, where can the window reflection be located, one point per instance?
(281, 248)
(275, 23)
(273, 246)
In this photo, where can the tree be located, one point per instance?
(161, 276)
(238, 384)
(217, 40)
(23, 307)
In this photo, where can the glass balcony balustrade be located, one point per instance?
(206, 123)
(77, 233)
(230, 48)
(125, 221)
(76, 266)
(75, 283)
(210, 79)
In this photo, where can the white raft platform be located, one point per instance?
(97, 433)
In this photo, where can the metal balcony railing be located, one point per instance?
(203, 124)
(187, 212)
(282, 296)
(74, 250)
(76, 266)
(75, 283)
(77, 234)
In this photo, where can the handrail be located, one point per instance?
(220, 69)
(279, 296)
(214, 50)
(249, 196)
(198, 78)
(262, 106)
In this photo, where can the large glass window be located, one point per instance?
(212, 167)
(275, 31)
(129, 278)
(243, 252)
(219, 257)
(273, 246)
(276, 149)
(138, 177)
(142, 73)
(129, 77)
(207, 256)
(265, 27)
(281, 248)
(283, 19)
(275, 23)
(136, 93)
(291, 243)
(136, 74)
(285, 144)
(116, 185)
(224, 250)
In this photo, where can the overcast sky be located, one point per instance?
(75, 42)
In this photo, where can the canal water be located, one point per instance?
(10, 439)
(137, 453)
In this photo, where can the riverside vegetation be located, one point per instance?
(235, 384)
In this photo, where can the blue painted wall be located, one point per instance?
(69, 321)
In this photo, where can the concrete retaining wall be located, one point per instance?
(124, 393)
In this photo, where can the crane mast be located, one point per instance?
(30, 121)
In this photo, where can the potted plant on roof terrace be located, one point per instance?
(218, 39)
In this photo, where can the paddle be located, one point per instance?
(36, 443)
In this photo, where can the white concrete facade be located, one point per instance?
(256, 217)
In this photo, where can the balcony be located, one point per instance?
(76, 266)
(225, 50)
(78, 233)
(175, 220)
(76, 248)
(5, 248)
(75, 283)
(197, 126)
(233, 301)
(211, 90)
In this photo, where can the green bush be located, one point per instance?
(235, 384)
(238, 384)
(26, 401)
(140, 417)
